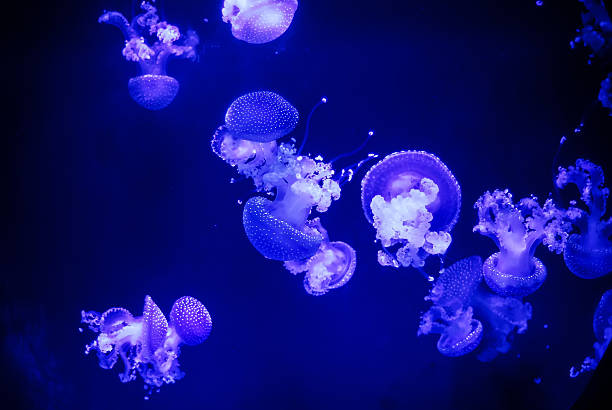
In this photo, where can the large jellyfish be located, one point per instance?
(258, 21)
(467, 316)
(517, 230)
(148, 345)
(280, 229)
(413, 201)
(153, 89)
(588, 253)
(602, 326)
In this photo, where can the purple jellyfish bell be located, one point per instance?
(153, 91)
(154, 327)
(261, 116)
(275, 238)
(258, 21)
(191, 320)
(398, 173)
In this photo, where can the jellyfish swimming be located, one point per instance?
(588, 253)
(518, 229)
(602, 326)
(278, 225)
(413, 201)
(258, 21)
(468, 316)
(148, 345)
(153, 89)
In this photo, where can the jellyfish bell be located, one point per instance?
(398, 173)
(460, 340)
(154, 328)
(330, 268)
(585, 261)
(191, 320)
(237, 151)
(258, 21)
(510, 284)
(602, 319)
(153, 91)
(261, 116)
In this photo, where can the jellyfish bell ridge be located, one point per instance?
(515, 285)
(401, 171)
(454, 347)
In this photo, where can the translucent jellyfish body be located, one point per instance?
(602, 326)
(148, 345)
(588, 253)
(467, 316)
(413, 201)
(258, 21)
(153, 89)
(517, 230)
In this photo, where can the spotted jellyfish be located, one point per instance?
(258, 21)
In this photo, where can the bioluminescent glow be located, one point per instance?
(258, 21)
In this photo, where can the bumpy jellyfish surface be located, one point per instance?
(258, 21)
(153, 89)
(588, 253)
(517, 229)
(261, 116)
(602, 326)
(413, 201)
(331, 267)
(147, 345)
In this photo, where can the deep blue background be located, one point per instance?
(108, 202)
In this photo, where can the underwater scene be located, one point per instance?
(291, 204)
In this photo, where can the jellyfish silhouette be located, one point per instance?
(148, 345)
(258, 21)
(588, 253)
(413, 200)
(468, 317)
(602, 327)
(153, 89)
(518, 230)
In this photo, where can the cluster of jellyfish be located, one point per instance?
(282, 229)
(148, 345)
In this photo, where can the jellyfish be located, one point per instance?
(468, 316)
(412, 200)
(517, 230)
(596, 32)
(258, 21)
(148, 345)
(588, 253)
(605, 93)
(602, 326)
(153, 89)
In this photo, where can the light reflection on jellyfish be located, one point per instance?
(258, 21)
(518, 229)
(468, 316)
(602, 326)
(148, 345)
(413, 201)
(588, 254)
(153, 89)
(280, 229)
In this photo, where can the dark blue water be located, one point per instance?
(107, 202)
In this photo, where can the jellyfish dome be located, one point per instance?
(261, 116)
(258, 21)
(412, 200)
(153, 89)
(588, 253)
(517, 230)
(602, 327)
(147, 345)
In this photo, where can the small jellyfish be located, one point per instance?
(148, 345)
(153, 89)
(517, 230)
(602, 326)
(588, 253)
(258, 21)
(413, 201)
(605, 93)
(331, 267)
(468, 316)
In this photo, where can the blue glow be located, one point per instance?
(258, 21)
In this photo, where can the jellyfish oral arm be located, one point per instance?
(118, 20)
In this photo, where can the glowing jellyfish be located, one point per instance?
(605, 93)
(602, 326)
(148, 345)
(153, 89)
(413, 201)
(258, 21)
(468, 317)
(517, 230)
(588, 254)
